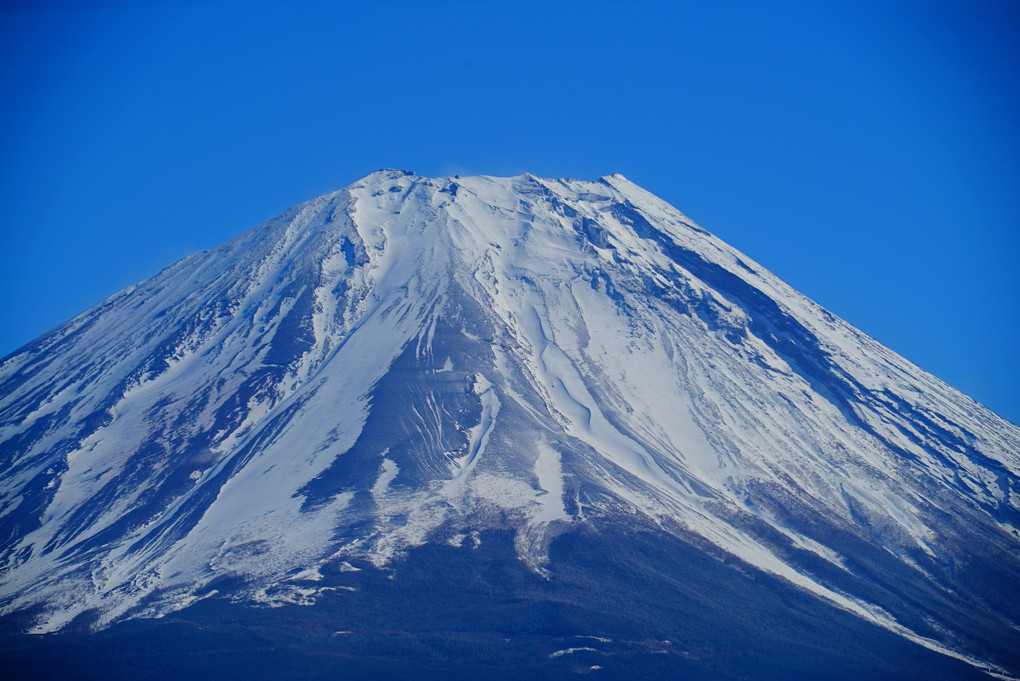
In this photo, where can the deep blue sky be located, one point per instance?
(866, 152)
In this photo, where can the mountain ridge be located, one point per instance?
(411, 360)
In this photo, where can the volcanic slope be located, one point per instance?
(414, 364)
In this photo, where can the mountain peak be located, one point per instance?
(414, 362)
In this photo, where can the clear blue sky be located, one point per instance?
(866, 152)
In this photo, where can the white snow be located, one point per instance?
(676, 420)
(570, 651)
(550, 479)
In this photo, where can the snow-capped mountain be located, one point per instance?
(413, 362)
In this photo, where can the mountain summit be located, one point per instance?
(554, 411)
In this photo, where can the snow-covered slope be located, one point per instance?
(412, 360)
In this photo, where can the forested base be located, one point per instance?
(623, 604)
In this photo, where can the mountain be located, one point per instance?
(495, 425)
